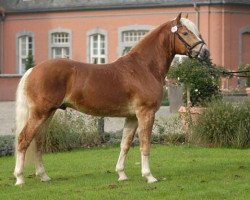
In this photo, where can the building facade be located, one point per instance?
(102, 31)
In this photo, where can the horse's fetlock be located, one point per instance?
(17, 173)
(119, 168)
(145, 173)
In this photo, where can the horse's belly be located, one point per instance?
(103, 109)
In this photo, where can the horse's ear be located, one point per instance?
(178, 18)
(187, 16)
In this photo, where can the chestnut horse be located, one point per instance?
(130, 87)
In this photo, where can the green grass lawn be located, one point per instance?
(184, 173)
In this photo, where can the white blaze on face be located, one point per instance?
(191, 26)
(201, 49)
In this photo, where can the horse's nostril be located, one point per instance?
(205, 54)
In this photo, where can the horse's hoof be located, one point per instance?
(45, 178)
(122, 175)
(19, 182)
(152, 179)
(123, 178)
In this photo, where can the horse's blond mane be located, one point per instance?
(190, 26)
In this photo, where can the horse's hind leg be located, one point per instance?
(26, 136)
(40, 170)
(129, 130)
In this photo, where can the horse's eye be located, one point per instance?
(185, 33)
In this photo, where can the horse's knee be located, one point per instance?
(125, 148)
(145, 150)
(23, 143)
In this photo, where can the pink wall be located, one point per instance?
(8, 86)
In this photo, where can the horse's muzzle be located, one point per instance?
(204, 54)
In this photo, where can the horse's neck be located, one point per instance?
(156, 55)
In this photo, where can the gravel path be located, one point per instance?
(7, 119)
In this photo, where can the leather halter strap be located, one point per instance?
(189, 46)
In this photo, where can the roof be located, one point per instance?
(21, 6)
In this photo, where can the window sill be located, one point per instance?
(11, 75)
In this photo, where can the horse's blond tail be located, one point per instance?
(22, 115)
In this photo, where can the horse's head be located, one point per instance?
(188, 40)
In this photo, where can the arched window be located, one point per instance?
(130, 35)
(97, 46)
(25, 46)
(60, 43)
(244, 46)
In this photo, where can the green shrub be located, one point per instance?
(7, 145)
(29, 61)
(165, 102)
(168, 130)
(200, 80)
(69, 129)
(223, 124)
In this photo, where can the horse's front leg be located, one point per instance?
(146, 121)
(129, 130)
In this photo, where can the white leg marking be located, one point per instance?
(18, 173)
(145, 169)
(40, 171)
(120, 166)
(130, 127)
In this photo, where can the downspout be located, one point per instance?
(197, 11)
(2, 17)
(208, 23)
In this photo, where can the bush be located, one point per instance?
(6, 145)
(29, 61)
(201, 81)
(69, 129)
(223, 124)
(168, 130)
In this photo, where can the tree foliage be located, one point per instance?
(29, 61)
(202, 81)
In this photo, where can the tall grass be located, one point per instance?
(168, 130)
(223, 124)
(69, 129)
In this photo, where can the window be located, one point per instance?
(244, 39)
(97, 46)
(25, 47)
(60, 43)
(97, 49)
(132, 36)
(129, 36)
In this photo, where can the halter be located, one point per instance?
(188, 46)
